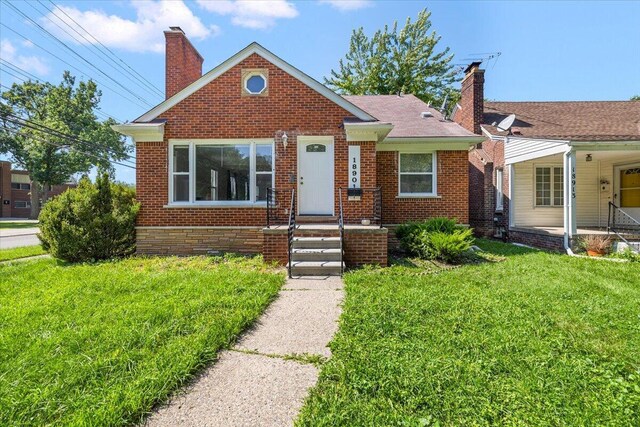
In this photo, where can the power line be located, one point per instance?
(31, 76)
(108, 60)
(58, 134)
(149, 84)
(11, 74)
(69, 146)
(71, 65)
(45, 31)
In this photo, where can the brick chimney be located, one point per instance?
(183, 63)
(472, 99)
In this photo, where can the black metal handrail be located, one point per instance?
(291, 228)
(276, 215)
(376, 194)
(622, 224)
(341, 229)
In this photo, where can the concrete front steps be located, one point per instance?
(316, 256)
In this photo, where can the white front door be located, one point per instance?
(627, 189)
(315, 175)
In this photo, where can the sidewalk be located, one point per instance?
(257, 383)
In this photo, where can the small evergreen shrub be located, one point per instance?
(437, 238)
(91, 222)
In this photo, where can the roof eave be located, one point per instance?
(142, 132)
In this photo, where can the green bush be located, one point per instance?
(437, 238)
(91, 222)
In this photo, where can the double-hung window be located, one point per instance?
(499, 191)
(221, 172)
(549, 186)
(417, 174)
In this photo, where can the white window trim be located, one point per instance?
(27, 204)
(433, 173)
(535, 177)
(499, 189)
(193, 143)
(252, 74)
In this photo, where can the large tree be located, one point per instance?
(397, 61)
(52, 132)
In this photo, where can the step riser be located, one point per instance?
(316, 245)
(315, 271)
(318, 257)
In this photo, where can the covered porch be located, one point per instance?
(551, 208)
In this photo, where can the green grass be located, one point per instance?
(538, 339)
(100, 344)
(7, 224)
(21, 252)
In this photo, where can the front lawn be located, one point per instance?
(20, 224)
(100, 344)
(538, 339)
(21, 252)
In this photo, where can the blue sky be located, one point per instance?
(549, 50)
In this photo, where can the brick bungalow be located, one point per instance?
(518, 186)
(231, 157)
(15, 191)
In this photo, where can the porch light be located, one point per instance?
(589, 158)
(284, 140)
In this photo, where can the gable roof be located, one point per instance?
(404, 112)
(573, 120)
(254, 48)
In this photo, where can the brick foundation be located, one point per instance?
(538, 239)
(197, 240)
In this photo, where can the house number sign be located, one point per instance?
(354, 170)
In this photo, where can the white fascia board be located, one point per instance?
(235, 60)
(605, 145)
(375, 131)
(142, 132)
(429, 144)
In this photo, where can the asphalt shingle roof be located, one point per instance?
(404, 112)
(571, 120)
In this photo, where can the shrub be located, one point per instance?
(600, 244)
(90, 222)
(437, 238)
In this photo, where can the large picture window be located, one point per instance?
(549, 186)
(417, 174)
(221, 173)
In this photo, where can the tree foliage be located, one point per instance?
(635, 98)
(397, 61)
(68, 108)
(91, 222)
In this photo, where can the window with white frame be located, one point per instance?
(417, 174)
(549, 189)
(21, 204)
(499, 192)
(20, 186)
(221, 172)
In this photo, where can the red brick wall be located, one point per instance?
(183, 63)
(365, 247)
(452, 187)
(5, 188)
(482, 188)
(218, 110)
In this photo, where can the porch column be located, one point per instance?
(569, 187)
(512, 193)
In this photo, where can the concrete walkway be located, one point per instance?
(257, 383)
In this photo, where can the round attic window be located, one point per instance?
(255, 84)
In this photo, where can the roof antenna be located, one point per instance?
(443, 109)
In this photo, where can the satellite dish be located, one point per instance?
(507, 123)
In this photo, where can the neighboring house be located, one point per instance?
(15, 191)
(518, 185)
(209, 154)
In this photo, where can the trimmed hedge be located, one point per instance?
(91, 222)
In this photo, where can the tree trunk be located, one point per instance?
(35, 200)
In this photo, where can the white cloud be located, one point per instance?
(346, 5)
(32, 64)
(252, 14)
(145, 34)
